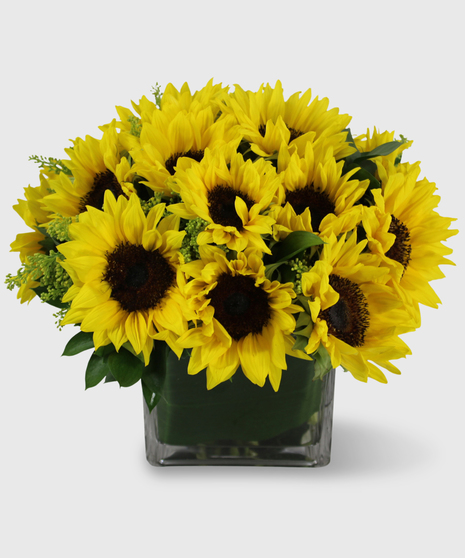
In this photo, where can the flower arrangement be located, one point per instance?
(238, 228)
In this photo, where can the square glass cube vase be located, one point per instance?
(239, 423)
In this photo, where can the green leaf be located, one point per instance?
(48, 243)
(295, 243)
(384, 149)
(105, 350)
(300, 343)
(151, 398)
(153, 378)
(304, 302)
(130, 348)
(349, 138)
(350, 141)
(96, 370)
(241, 409)
(306, 331)
(354, 156)
(303, 320)
(82, 341)
(364, 173)
(322, 362)
(143, 191)
(367, 165)
(125, 367)
(286, 275)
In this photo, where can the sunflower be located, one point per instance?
(130, 125)
(315, 196)
(126, 277)
(96, 166)
(32, 212)
(34, 215)
(356, 316)
(406, 232)
(172, 101)
(184, 100)
(230, 194)
(174, 135)
(267, 120)
(246, 319)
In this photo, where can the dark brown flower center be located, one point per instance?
(348, 319)
(173, 160)
(240, 306)
(319, 204)
(295, 134)
(139, 279)
(103, 181)
(221, 201)
(401, 250)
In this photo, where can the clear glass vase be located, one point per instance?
(239, 423)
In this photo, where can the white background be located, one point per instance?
(73, 477)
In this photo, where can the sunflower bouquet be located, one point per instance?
(232, 231)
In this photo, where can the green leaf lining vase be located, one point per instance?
(239, 423)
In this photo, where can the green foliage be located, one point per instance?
(366, 167)
(53, 280)
(245, 150)
(51, 164)
(156, 92)
(242, 410)
(190, 247)
(322, 362)
(136, 126)
(126, 368)
(143, 191)
(299, 267)
(82, 341)
(45, 267)
(59, 317)
(12, 281)
(378, 151)
(123, 366)
(58, 229)
(175, 197)
(106, 363)
(97, 369)
(105, 350)
(365, 172)
(295, 243)
(149, 204)
(304, 325)
(153, 378)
